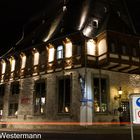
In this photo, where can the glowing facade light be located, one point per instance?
(12, 63)
(102, 47)
(51, 51)
(36, 58)
(3, 66)
(120, 91)
(66, 109)
(87, 31)
(91, 47)
(68, 48)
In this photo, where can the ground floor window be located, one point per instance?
(2, 90)
(13, 109)
(15, 87)
(100, 94)
(64, 94)
(1, 110)
(40, 97)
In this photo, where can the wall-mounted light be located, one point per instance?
(66, 109)
(119, 94)
(120, 91)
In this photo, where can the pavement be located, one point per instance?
(102, 129)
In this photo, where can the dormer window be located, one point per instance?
(95, 23)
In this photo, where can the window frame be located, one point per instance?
(100, 96)
(2, 89)
(113, 47)
(61, 52)
(13, 109)
(63, 111)
(14, 87)
(39, 96)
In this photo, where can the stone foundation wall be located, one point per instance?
(26, 98)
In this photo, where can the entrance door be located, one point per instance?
(126, 111)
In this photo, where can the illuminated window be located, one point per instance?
(51, 54)
(40, 97)
(36, 58)
(64, 94)
(68, 48)
(102, 47)
(3, 66)
(23, 61)
(95, 23)
(60, 52)
(91, 47)
(100, 94)
(12, 63)
(1, 110)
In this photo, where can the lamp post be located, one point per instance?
(120, 94)
(120, 109)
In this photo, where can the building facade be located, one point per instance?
(74, 77)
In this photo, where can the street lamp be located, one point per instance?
(119, 94)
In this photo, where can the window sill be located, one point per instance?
(63, 114)
(12, 117)
(101, 113)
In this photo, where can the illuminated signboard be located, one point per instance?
(135, 108)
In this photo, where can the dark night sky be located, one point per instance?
(15, 13)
